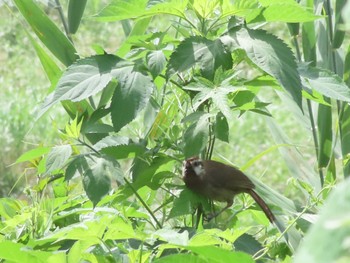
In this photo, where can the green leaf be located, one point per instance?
(155, 62)
(196, 137)
(131, 96)
(47, 31)
(286, 11)
(97, 178)
(327, 240)
(53, 72)
(221, 128)
(109, 141)
(325, 82)
(96, 185)
(57, 157)
(128, 9)
(119, 147)
(15, 252)
(177, 258)
(217, 254)
(187, 203)
(83, 79)
(75, 13)
(209, 54)
(33, 154)
(270, 54)
(325, 135)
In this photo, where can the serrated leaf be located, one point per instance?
(270, 54)
(209, 54)
(112, 140)
(97, 178)
(131, 96)
(83, 79)
(187, 203)
(325, 82)
(57, 157)
(155, 62)
(77, 165)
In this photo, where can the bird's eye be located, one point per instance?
(196, 163)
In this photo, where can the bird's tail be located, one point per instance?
(263, 206)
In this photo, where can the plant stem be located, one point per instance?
(64, 22)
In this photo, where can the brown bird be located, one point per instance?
(220, 182)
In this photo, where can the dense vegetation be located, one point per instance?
(178, 79)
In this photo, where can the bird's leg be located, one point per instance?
(229, 203)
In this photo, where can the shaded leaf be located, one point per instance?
(131, 96)
(83, 79)
(57, 157)
(270, 54)
(209, 54)
(196, 137)
(155, 62)
(325, 82)
(221, 128)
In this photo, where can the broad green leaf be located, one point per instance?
(217, 254)
(58, 157)
(96, 185)
(83, 79)
(9, 208)
(155, 61)
(33, 154)
(172, 236)
(327, 240)
(196, 137)
(249, 9)
(205, 8)
(209, 54)
(77, 166)
(47, 31)
(221, 128)
(16, 252)
(325, 82)
(109, 141)
(177, 258)
(187, 203)
(97, 178)
(286, 11)
(143, 172)
(131, 96)
(270, 54)
(119, 147)
(128, 9)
